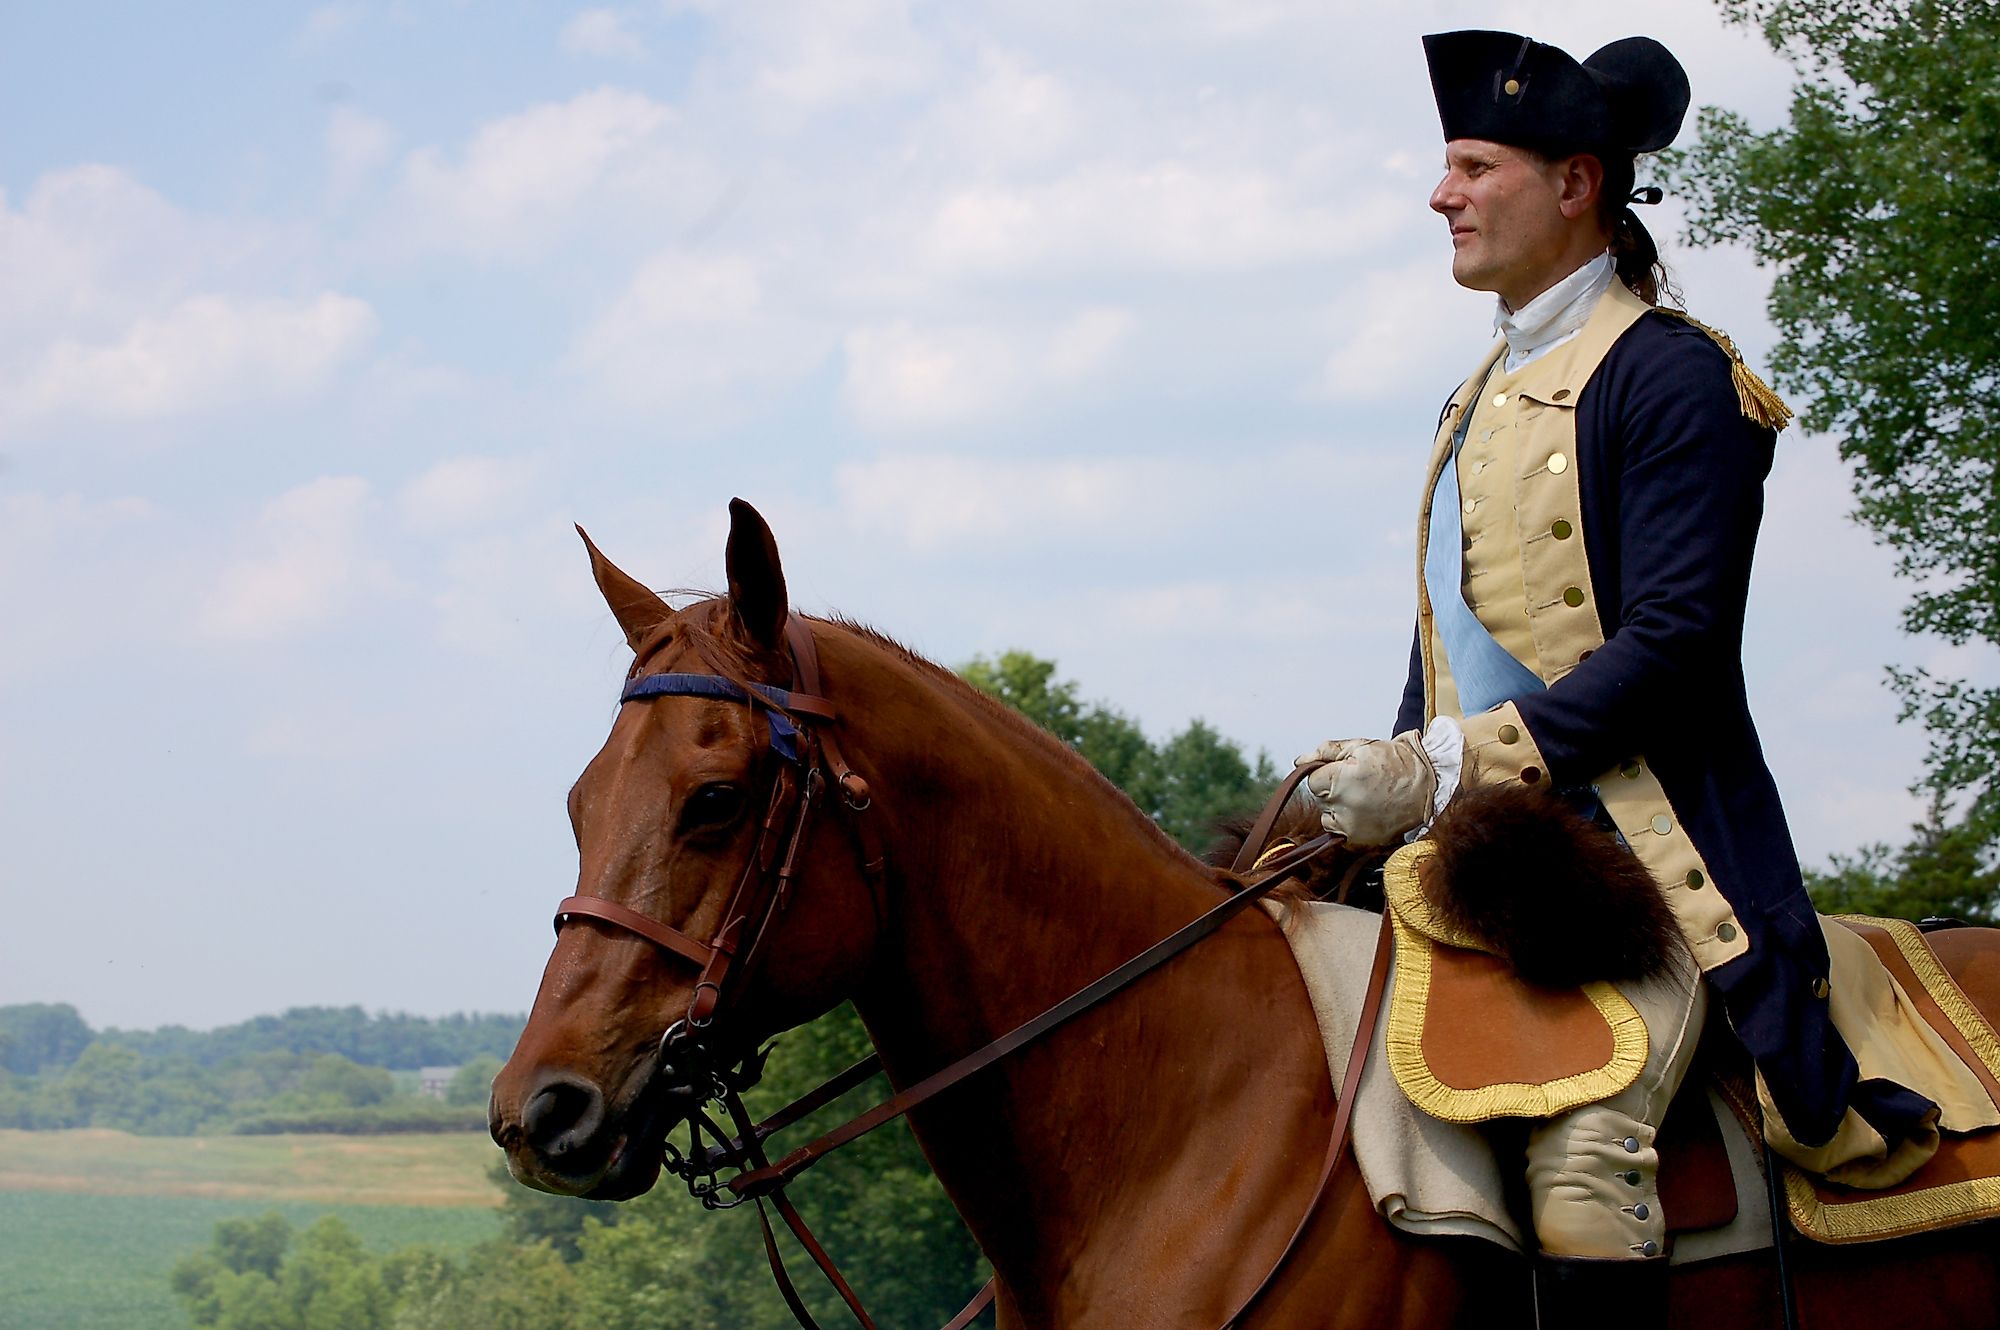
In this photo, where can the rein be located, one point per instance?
(807, 753)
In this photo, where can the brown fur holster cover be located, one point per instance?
(1559, 896)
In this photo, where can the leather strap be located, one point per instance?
(1343, 1115)
(1260, 830)
(761, 1181)
(612, 912)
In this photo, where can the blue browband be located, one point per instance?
(784, 734)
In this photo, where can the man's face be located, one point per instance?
(1508, 231)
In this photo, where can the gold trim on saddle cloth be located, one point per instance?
(1431, 955)
(1958, 1184)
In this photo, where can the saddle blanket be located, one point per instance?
(1433, 1178)
(1436, 1178)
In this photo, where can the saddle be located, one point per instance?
(1468, 1043)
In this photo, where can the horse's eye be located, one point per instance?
(712, 806)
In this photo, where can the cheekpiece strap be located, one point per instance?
(777, 703)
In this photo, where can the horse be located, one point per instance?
(1144, 1165)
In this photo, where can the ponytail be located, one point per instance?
(1633, 250)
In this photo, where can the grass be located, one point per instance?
(447, 1168)
(92, 1222)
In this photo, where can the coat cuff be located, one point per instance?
(1499, 749)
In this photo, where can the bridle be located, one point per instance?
(804, 752)
(800, 721)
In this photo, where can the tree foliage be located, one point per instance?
(1187, 784)
(272, 1074)
(1877, 205)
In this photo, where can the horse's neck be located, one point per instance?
(1018, 879)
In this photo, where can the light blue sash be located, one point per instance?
(1485, 673)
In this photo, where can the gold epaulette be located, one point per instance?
(1756, 397)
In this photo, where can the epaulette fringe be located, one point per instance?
(1756, 398)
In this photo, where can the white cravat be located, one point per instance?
(1554, 316)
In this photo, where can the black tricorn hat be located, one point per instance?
(1628, 97)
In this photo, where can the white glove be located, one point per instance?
(1373, 791)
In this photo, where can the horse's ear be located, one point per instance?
(636, 608)
(756, 580)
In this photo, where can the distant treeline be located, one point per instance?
(311, 1069)
(38, 1036)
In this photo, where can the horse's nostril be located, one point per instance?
(560, 1121)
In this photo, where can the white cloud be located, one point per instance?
(523, 174)
(326, 25)
(693, 331)
(818, 56)
(306, 562)
(1392, 329)
(602, 33)
(357, 145)
(206, 352)
(902, 376)
(69, 567)
(89, 249)
(1185, 216)
(464, 491)
(935, 502)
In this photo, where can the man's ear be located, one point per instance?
(1580, 185)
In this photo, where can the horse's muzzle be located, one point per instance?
(570, 1141)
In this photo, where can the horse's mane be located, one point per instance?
(1010, 719)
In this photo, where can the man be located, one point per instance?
(1585, 549)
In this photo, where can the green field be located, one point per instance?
(91, 1222)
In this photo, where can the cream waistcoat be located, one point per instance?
(1528, 581)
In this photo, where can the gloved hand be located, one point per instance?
(1373, 791)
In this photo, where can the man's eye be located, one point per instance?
(712, 806)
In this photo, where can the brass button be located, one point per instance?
(1695, 880)
(1641, 1213)
(1573, 597)
(1558, 463)
(1529, 775)
(1470, 506)
(1500, 399)
(1585, 656)
(1632, 1178)
(1821, 988)
(1663, 824)
(1631, 1145)
(1509, 734)
(1561, 530)
(1558, 394)
(1649, 1248)
(1512, 87)
(1630, 770)
(1727, 932)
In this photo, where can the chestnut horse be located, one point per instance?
(1144, 1165)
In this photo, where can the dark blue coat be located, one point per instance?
(1667, 461)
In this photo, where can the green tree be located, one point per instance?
(1204, 779)
(332, 1079)
(1876, 206)
(1109, 740)
(472, 1083)
(39, 1035)
(1187, 784)
(1939, 872)
(257, 1275)
(529, 1217)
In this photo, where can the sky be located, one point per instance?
(1110, 331)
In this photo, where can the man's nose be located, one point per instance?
(1445, 198)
